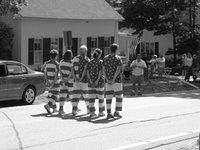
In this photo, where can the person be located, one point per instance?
(96, 83)
(195, 67)
(80, 86)
(112, 70)
(188, 63)
(161, 65)
(183, 60)
(153, 66)
(51, 70)
(138, 67)
(66, 82)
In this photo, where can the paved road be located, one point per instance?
(146, 120)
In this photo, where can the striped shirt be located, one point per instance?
(79, 63)
(51, 69)
(65, 68)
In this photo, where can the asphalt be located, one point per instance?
(149, 122)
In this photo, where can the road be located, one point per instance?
(147, 121)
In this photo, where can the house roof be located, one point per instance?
(70, 9)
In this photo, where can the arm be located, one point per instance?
(99, 76)
(84, 73)
(88, 75)
(119, 68)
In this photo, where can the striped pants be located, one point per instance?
(111, 90)
(65, 91)
(53, 94)
(94, 93)
(80, 90)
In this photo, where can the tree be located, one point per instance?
(163, 16)
(6, 33)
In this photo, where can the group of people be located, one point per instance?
(190, 64)
(81, 78)
(157, 65)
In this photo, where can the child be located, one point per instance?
(96, 83)
(51, 70)
(66, 82)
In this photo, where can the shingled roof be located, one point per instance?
(70, 9)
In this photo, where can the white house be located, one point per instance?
(149, 44)
(47, 24)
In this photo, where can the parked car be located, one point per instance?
(18, 82)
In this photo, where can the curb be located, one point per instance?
(155, 143)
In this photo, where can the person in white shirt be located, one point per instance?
(161, 65)
(138, 67)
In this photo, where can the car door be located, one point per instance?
(14, 80)
(3, 82)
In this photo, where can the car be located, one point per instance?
(18, 82)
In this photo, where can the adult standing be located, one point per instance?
(138, 67)
(96, 83)
(188, 63)
(80, 86)
(161, 65)
(112, 70)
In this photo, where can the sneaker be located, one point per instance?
(55, 110)
(109, 116)
(61, 112)
(74, 113)
(93, 115)
(47, 107)
(132, 93)
(139, 93)
(117, 114)
(101, 114)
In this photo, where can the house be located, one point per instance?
(61, 24)
(148, 45)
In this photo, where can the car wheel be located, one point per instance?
(29, 95)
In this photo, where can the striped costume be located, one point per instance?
(80, 88)
(94, 67)
(66, 82)
(51, 70)
(110, 64)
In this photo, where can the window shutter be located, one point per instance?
(138, 49)
(101, 45)
(31, 51)
(89, 47)
(112, 39)
(157, 48)
(46, 48)
(75, 46)
(60, 48)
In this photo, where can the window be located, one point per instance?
(2, 71)
(94, 44)
(38, 54)
(24, 70)
(54, 43)
(148, 48)
(14, 69)
(107, 43)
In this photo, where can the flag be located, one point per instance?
(132, 45)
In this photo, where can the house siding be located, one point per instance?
(53, 28)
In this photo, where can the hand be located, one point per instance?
(109, 81)
(96, 83)
(77, 80)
